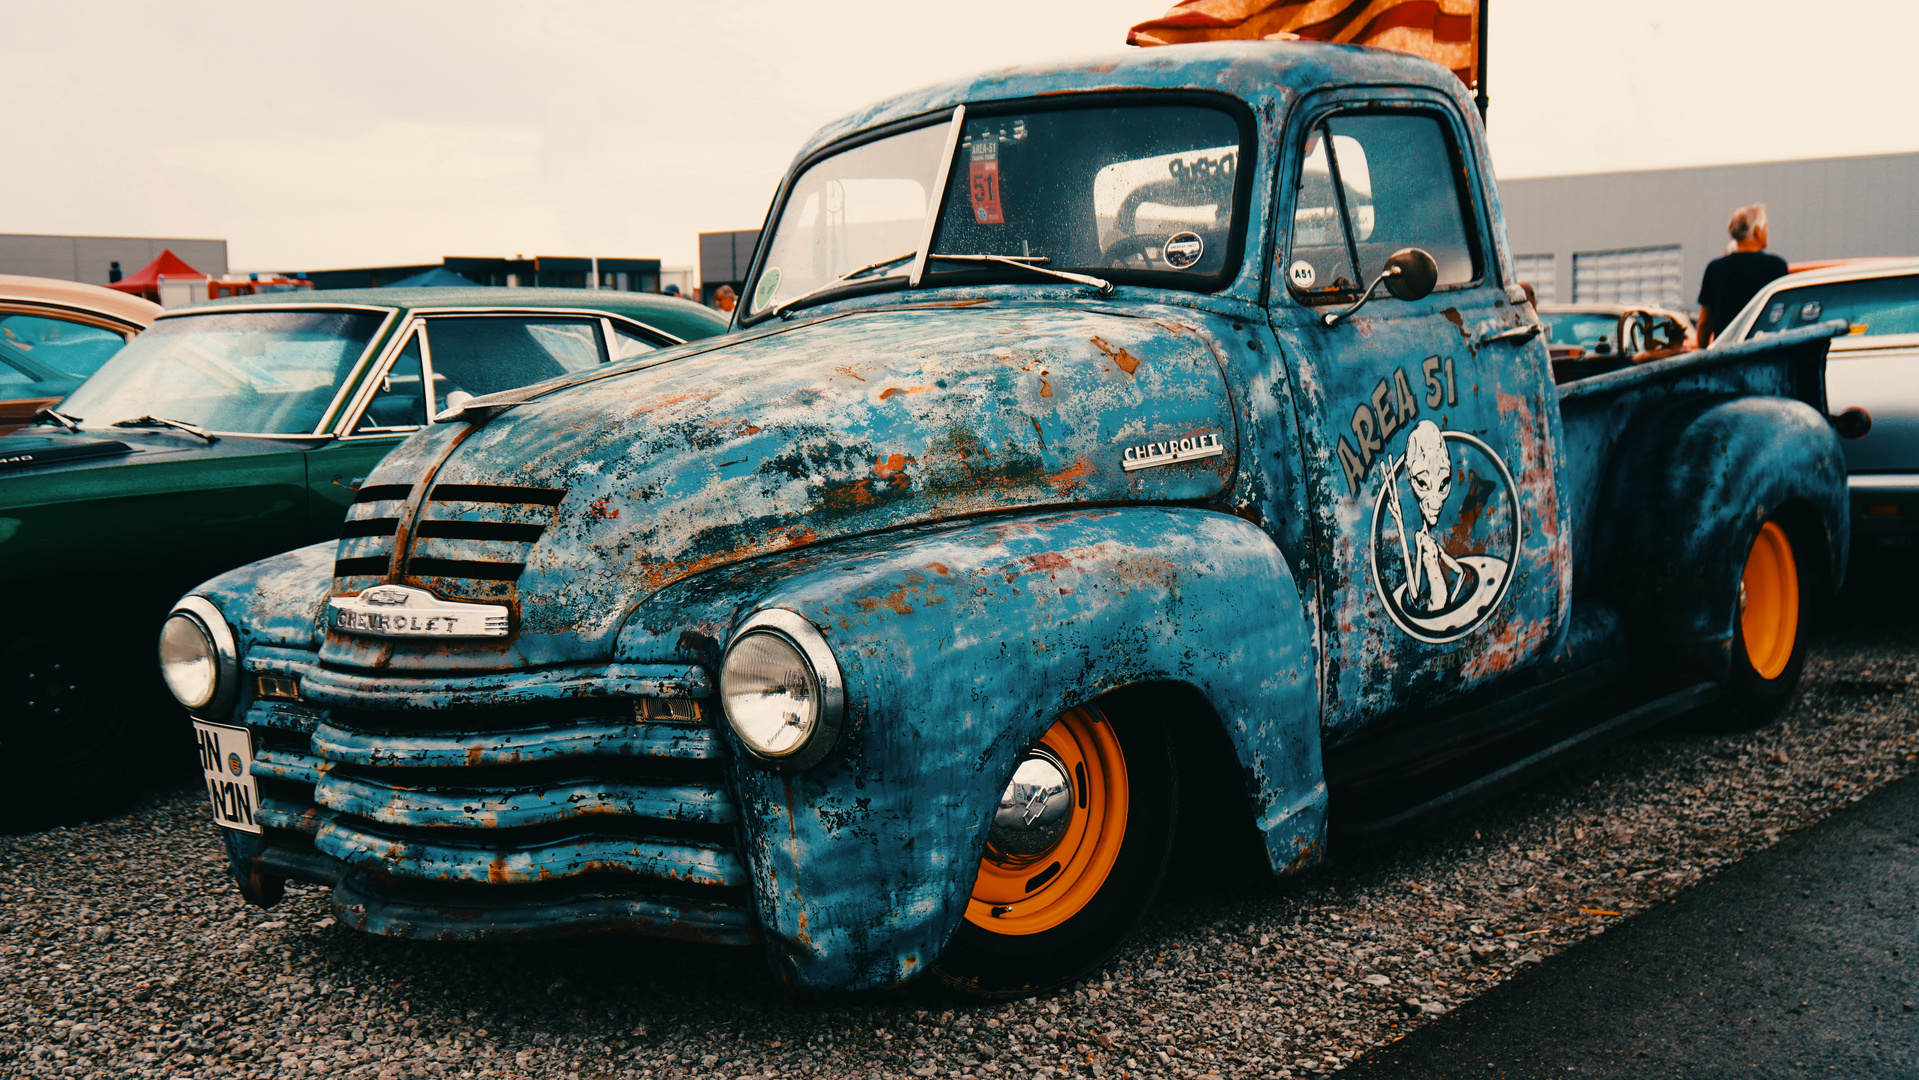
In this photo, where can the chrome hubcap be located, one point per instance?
(1034, 810)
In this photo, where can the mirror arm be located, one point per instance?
(1332, 318)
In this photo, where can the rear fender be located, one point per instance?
(1684, 498)
(959, 647)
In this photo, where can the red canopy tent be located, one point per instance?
(146, 280)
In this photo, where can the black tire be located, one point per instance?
(1765, 673)
(983, 962)
(82, 727)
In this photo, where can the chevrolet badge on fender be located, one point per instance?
(1172, 451)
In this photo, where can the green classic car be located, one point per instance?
(225, 433)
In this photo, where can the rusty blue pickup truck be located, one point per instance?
(1095, 444)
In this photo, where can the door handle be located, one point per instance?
(1518, 335)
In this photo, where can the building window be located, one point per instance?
(1542, 273)
(1628, 276)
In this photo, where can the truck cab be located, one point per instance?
(1087, 433)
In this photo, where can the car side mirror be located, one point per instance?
(1409, 274)
(1417, 274)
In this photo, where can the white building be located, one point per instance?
(1645, 237)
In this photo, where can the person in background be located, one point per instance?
(725, 298)
(1737, 276)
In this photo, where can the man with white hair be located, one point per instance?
(1737, 276)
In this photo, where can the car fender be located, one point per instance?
(1686, 494)
(959, 647)
(277, 601)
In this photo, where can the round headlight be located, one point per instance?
(781, 689)
(197, 656)
(187, 660)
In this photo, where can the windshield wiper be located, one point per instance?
(71, 423)
(161, 421)
(1036, 263)
(784, 306)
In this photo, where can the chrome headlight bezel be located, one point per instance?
(828, 685)
(225, 654)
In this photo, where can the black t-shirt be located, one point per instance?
(1732, 280)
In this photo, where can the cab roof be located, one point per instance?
(682, 318)
(1252, 71)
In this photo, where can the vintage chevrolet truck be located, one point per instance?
(1089, 437)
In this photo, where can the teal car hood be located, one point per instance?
(849, 425)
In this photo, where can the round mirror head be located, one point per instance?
(1418, 273)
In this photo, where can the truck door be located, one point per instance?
(1428, 439)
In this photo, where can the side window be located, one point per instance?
(400, 402)
(68, 347)
(486, 354)
(627, 344)
(1369, 185)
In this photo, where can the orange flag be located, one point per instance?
(1441, 30)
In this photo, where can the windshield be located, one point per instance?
(1142, 193)
(1874, 306)
(1585, 329)
(264, 372)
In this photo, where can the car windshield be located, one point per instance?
(1143, 193)
(1585, 329)
(263, 372)
(1874, 307)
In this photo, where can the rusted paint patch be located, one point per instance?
(1127, 361)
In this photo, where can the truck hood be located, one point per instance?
(572, 507)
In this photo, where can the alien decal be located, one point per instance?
(1443, 563)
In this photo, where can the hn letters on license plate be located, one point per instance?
(226, 754)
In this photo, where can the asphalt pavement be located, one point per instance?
(1800, 961)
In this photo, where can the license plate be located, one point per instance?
(226, 755)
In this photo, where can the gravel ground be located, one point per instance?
(123, 952)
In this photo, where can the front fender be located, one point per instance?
(959, 647)
(1686, 495)
(276, 601)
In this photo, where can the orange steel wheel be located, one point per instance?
(1034, 893)
(1769, 602)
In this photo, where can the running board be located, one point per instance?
(1532, 765)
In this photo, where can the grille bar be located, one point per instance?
(583, 802)
(379, 526)
(464, 568)
(453, 529)
(382, 493)
(683, 862)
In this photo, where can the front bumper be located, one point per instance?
(1885, 509)
(515, 805)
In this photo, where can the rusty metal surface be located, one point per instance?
(936, 480)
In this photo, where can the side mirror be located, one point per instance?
(1411, 274)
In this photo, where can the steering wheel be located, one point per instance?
(1137, 245)
(1635, 335)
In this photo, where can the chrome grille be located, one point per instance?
(573, 807)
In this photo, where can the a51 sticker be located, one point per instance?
(983, 175)
(1301, 274)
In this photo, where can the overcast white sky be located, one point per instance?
(354, 133)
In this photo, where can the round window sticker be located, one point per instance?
(1183, 250)
(1301, 274)
(1809, 312)
(768, 287)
